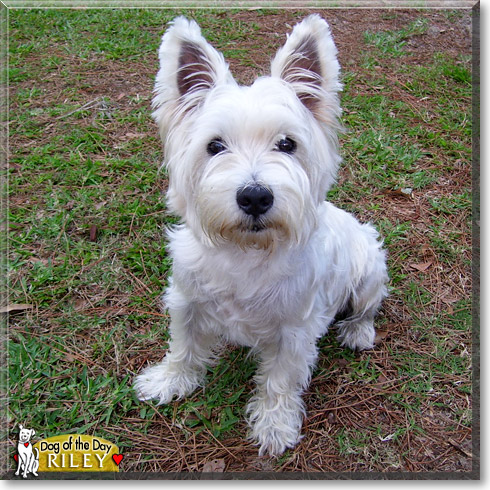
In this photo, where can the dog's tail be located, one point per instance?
(37, 452)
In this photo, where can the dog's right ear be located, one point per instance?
(189, 68)
(21, 427)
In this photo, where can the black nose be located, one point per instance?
(254, 200)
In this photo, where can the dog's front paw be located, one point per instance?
(275, 427)
(162, 383)
(274, 440)
(357, 335)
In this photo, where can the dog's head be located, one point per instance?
(248, 165)
(25, 434)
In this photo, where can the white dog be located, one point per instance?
(27, 462)
(260, 259)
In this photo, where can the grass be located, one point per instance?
(393, 43)
(86, 248)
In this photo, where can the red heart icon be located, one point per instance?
(26, 444)
(16, 457)
(117, 458)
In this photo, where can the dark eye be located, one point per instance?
(286, 145)
(215, 147)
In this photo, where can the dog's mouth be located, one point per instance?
(257, 227)
(256, 233)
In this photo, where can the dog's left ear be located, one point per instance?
(32, 432)
(308, 62)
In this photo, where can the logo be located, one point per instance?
(65, 453)
(27, 456)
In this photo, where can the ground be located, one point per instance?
(87, 258)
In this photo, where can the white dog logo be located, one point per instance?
(27, 462)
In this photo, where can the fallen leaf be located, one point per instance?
(100, 205)
(449, 299)
(406, 193)
(215, 466)
(68, 357)
(380, 336)
(35, 260)
(421, 267)
(14, 308)
(343, 363)
(135, 135)
(93, 233)
(27, 385)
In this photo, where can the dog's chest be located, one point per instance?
(245, 320)
(255, 309)
(252, 303)
(245, 295)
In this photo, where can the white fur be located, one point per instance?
(276, 290)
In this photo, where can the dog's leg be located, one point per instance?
(357, 330)
(35, 462)
(276, 410)
(183, 368)
(27, 465)
(19, 464)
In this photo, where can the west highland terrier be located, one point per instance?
(260, 259)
